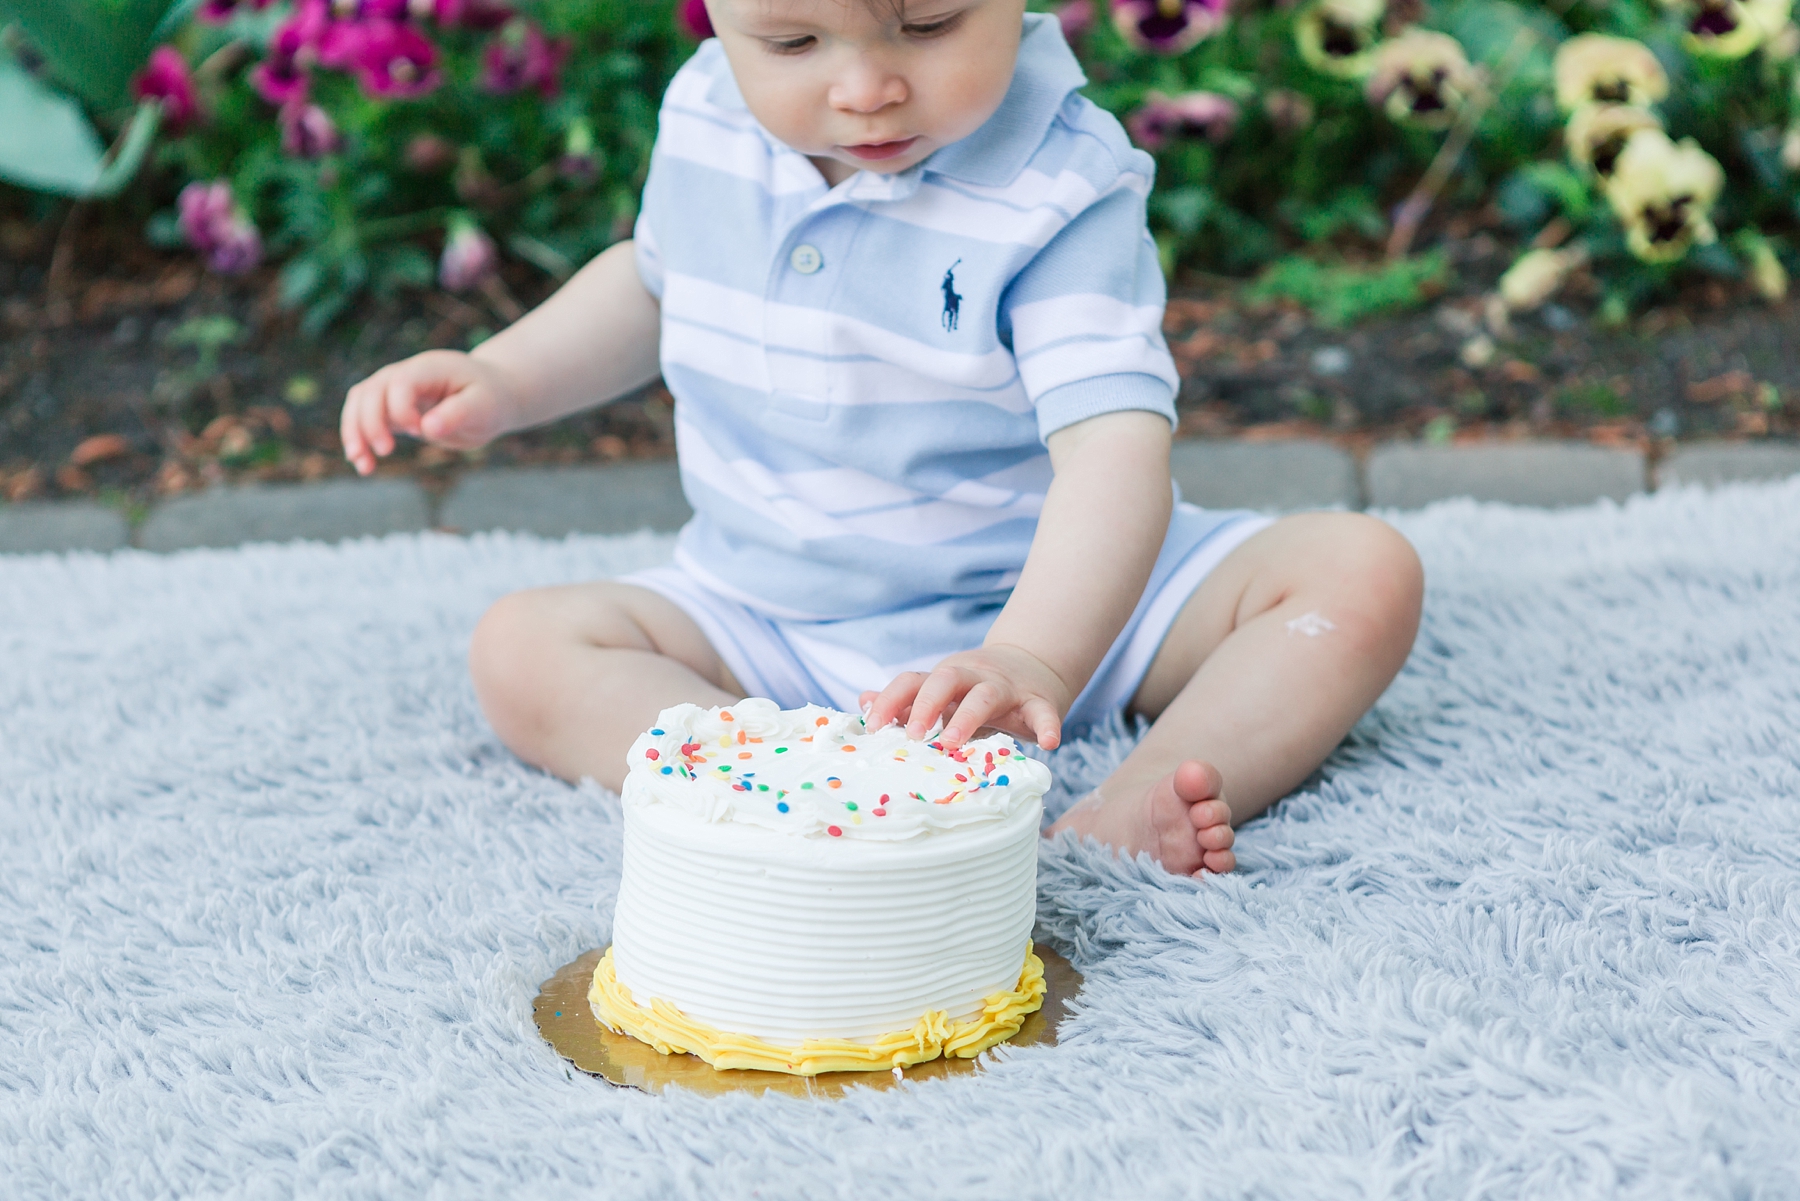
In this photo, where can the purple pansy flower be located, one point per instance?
(340, 46)
(217, 12)
(694, 18)
(1076, 18)
(1168, 26)
(1161, 118)
(471, 14)
(392, 61)
(239, 246)
(280, 80)
(165, 78)
(214, 225)
(307, 131)
(202, 206)
(521, 57)
(470, 256)
(282, 77)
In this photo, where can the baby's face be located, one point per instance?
(858, 85)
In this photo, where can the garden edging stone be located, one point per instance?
(626, 497)
(1714, 463)
(39, 526)
(557, 501)
(328, 511)
(1271, 476)
(1407, 475)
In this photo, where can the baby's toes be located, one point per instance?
(1218, 862)
(1207, 814)
(1215, 838)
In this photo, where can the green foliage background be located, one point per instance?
(364, 220)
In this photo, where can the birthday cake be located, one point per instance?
(803, 895)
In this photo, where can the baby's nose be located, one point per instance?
(866, 86)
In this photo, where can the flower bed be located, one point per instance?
(356, 141)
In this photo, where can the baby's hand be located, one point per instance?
(442, 396)
(1000, 686)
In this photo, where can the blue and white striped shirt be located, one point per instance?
(864, 375)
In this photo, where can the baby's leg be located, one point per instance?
(570, 676)
(1275, 656)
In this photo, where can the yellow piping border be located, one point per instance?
(666, 1028)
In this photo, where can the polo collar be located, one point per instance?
(993, 155)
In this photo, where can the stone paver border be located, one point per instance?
(555, 501)
(1272, 476)
(61, 525)
(328, 511)
(1406, 475)
(1715, 463)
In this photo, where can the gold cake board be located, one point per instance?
(568, 1024)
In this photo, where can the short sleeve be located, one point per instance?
(1084, 317)
(649, 259)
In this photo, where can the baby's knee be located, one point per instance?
(1392, 572)
(502, 642)
(1381, 579)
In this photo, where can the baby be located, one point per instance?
(894, 269)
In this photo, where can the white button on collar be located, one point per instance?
(806, 259)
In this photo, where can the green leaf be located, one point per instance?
(403, 266)
(300, 279)
(1568, 187)
(94, 47)
(542, 255)
(178, 14)
(45, 141)
(1185, 209)
(1339, 294)
(128, 153)
(208, 334)
(320, 316)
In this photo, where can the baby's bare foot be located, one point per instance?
(1181, 820)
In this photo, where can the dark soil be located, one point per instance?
(1716, 362)
(104, 390)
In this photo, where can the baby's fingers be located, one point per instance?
(1044, 722)
(371, 414)
(937, 695)
(979, 706)
(401, 403)
(358, 434)
(891, 703)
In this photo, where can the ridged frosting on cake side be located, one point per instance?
(820, 773)
(789, 939)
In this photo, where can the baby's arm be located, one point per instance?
(1103, 524)
(595, 340)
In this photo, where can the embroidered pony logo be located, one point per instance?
(952, 298)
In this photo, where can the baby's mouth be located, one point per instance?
(874, 152)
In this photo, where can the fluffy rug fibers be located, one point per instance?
(274, 903)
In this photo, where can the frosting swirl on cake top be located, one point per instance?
(816, 772)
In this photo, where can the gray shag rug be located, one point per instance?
(274, 904)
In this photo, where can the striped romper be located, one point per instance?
(865, 376)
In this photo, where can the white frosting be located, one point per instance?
(810, 771)
(755, 921)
